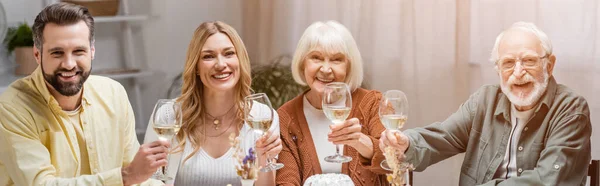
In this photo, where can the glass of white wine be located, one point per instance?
(337, 104)
(258, 113)
(393, 112)
(166, 121)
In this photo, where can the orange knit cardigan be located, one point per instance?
(299, 154)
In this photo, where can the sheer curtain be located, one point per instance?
(436, 51)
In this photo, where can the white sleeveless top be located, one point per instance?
(202, 169)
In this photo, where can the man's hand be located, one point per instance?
(394, 139)
(147, 160)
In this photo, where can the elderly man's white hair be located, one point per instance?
(528, 27)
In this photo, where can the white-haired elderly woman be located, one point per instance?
(327, 53)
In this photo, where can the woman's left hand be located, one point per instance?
(269, 145)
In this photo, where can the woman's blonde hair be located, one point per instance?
(192, 89)
(332, 37)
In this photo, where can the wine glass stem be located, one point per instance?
(268, 160)
(407, 177)
(337, 150)
(271, 161)
(164, 168)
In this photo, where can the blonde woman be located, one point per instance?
(216, 78)
(327, 53)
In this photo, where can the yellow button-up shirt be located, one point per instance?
(39, 146)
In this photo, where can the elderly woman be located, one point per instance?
(327, 53)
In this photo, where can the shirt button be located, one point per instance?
(520, 170)
(520, 148)
(525, 129)
(556, 166)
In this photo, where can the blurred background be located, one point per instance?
(436, 51)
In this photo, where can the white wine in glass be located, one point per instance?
(337, 104)
(166, 133)
(337, 114)
(166, 122)
(259, 114)
(262, 125)
(393, 112)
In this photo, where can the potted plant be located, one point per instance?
(275, 79)
(20, 40)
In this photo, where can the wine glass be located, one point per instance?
(258, 113)
(393, 112)
(337, 103)
(166, 121)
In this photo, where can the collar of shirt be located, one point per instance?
(40, 84)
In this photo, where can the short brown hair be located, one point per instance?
(61, 14)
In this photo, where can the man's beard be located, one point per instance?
(67, 88)
(539, 87)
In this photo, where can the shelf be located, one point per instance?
(119, 18)
(117, 76)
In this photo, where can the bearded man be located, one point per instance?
(528, 130)
(63, 126)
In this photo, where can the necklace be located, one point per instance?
(217, 120)
(230, 123)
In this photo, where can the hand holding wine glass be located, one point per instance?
(348, 132)
(337, 104)
(259, 114)
(166, 121)
(146, 161)
(393, 112)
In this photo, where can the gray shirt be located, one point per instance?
(518, 119)
(554, 150)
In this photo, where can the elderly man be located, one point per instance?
(61, 126)
(528, 130)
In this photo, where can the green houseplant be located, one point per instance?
(20, 40)
(275, 80)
